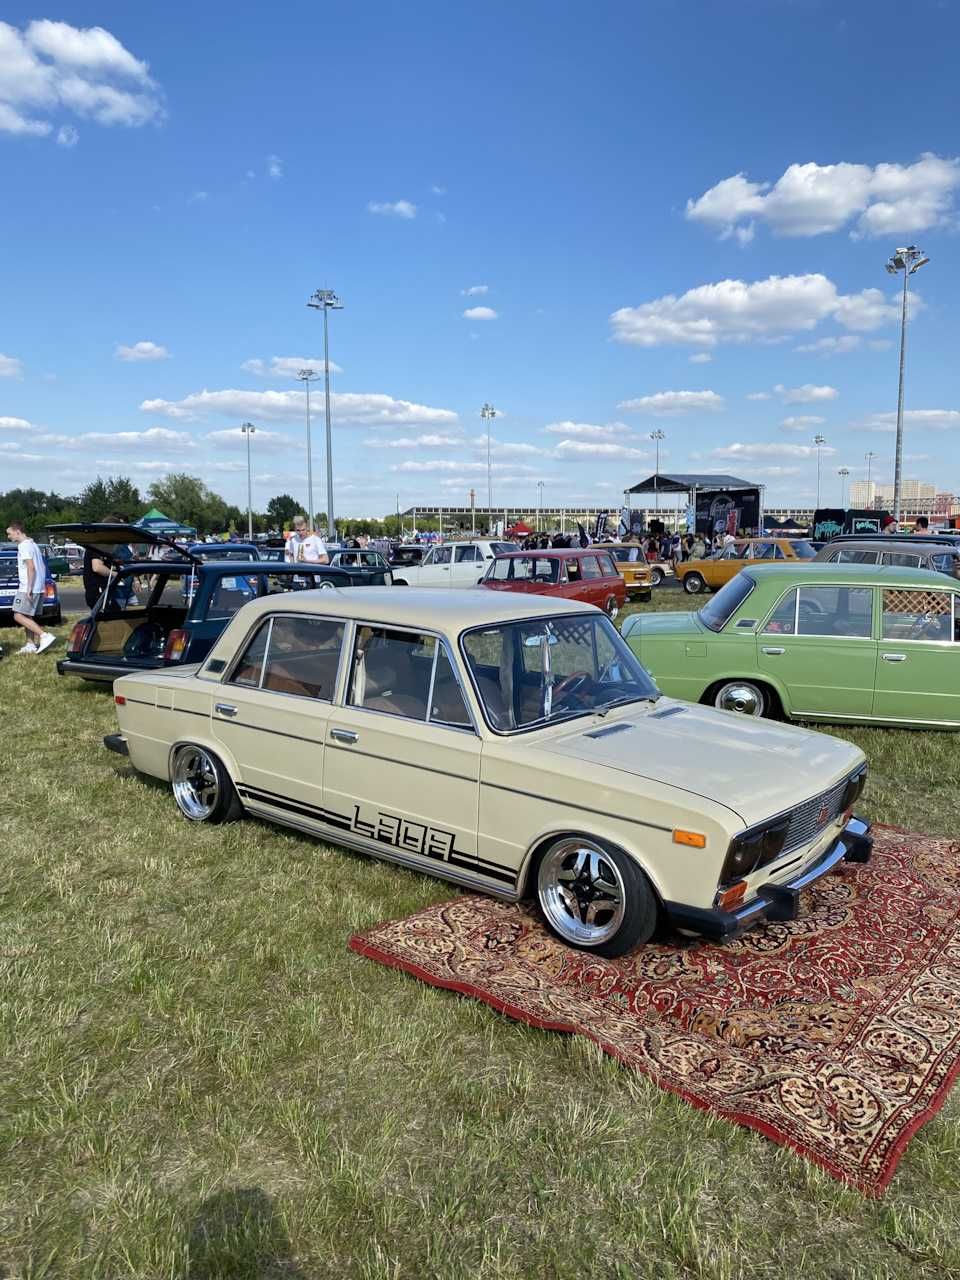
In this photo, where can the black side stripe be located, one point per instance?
(568, 804)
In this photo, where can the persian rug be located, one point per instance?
(836, 1034)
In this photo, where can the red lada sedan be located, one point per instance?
(588, 574)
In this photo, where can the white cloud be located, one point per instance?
(587, 430)
(577, 450)
(762, 450)
(414, 442)
(49, 66)
(199, 197)
(507, 448)
(670, 402)
(128, 464)
(234, 435)
(807, 394)
(363, 409)
(811, 199)
(737, 311)
(700, 357)
(440, 465)
(142, 351)
(274, 167)
(832, 346)
(928, 419)
(480, 313)
(758, 395)
(67, 136)
(16, 424)
(287, 366)
(437, 190)
(801, 423)
(10, 367)
(396, 209)
(475, 290)
(774, 473)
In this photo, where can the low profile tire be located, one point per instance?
(693, 584)
(742, 696)
(594, 897)
(611, 608)
(326, 586)
(399, 582)
(202, 787)
(657, 577)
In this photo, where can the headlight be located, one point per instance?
(854, 788)
(753, 849)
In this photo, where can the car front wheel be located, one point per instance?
(693, 583)
(657, 576)
(742, 696)
(594, 897)
(202, 787)
(611, 608)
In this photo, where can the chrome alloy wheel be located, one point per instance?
(196, 787)
(740, 696)
(581, 892)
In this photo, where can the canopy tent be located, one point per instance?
(520, 530)
(157, 522)
(703, 483)
(716, 502)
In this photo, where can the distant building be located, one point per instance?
(916, 497)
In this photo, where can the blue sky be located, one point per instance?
(671, 209)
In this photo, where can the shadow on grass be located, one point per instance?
(238, 1234)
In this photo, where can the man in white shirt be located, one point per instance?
(304, 546)
(31, 580)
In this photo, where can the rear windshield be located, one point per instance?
(726, 602)
(224, 553)
(803, 550)
(8, 567)
(503, 548)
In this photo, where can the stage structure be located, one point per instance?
(715, 503)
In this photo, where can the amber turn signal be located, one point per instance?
(692, 838)
(731, 897)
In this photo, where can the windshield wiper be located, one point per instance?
(620, 702)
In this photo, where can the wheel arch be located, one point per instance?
(543, 841)
(769, 684)
(208, 743)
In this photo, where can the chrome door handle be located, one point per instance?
(224, 709)
(344, 735)
(894, 657)
(770, 649)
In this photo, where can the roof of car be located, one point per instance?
(539, 552)
(867, 574)
(900, 546)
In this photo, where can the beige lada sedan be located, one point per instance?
(511, 744)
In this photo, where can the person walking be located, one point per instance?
(304, 546)
(31, 580)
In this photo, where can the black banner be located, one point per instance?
(828, 522)
(720, 511)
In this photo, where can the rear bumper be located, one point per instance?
(116, 742)
(775, 901)
(91, 670)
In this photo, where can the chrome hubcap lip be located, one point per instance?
(613, 610)
(693, 583)
(746, 699)
(195, 786)
(581, 892)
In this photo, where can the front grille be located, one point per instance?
(812, 817)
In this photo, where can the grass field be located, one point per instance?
(199, 1080)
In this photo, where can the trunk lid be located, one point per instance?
(105, 537)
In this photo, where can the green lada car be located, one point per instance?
(834, 642)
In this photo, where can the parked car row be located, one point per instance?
(50, 610)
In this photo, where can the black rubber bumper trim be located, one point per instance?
(116, 742)
(774, 901)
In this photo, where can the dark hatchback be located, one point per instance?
(49, 612)
(162, 613)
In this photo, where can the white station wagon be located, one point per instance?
(452, 564)
(513, 745)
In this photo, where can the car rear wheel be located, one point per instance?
(693, 583)
(742, 696)
(657, 576)
(202, 787)
(594, 897)
(399, 582)
(611, 608)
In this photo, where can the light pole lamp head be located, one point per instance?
(488, 411)
(307, 375)
(247, 428)
(819, 440)
(658, 434)
(325, 300)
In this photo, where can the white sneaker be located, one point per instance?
(46, 640)
(29, 647)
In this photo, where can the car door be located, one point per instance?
(435, 570)
(594, 589)
(271, 711)
(403, 756)
(467, 565)
(918, 672)
(818, 643)
(718, 570)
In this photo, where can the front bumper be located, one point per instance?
(775, 901)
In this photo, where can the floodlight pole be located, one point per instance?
(908, 260)
(869, 457)
(326, 300)
(248, 429)
(819, 441)
(539, 502)
(307, 376)
(488, 413)
(843, 473)
(657, 436)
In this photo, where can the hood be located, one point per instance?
(755, 768)
(662, 624)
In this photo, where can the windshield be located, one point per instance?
(726, 602)
(503, 548)
(544, 670)
(524, 569)
(803, 550)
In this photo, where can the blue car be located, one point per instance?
(49, 613)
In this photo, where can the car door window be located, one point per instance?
(835, 611)
(447, 703)
(591, 569)
(573, 570)
(303, 655)
(392, 672)
(439, 555)
(467, 553)
(902, 559)
(782, 622)
(850, 555)
(946, 562)
(607, 567)
(230, 594)
(920, 615)
(249, 669)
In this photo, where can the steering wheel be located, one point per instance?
(571, 685)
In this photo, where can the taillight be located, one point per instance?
(50, 591)
(119, 699)
(176, 646)
(79, 637)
